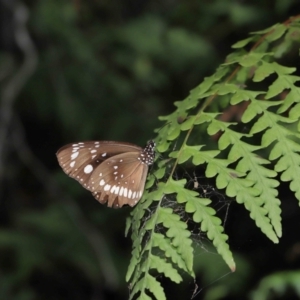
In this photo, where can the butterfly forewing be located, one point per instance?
(114, 172)
(79, 160)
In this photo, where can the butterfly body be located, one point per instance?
(115, 172)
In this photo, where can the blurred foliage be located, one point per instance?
(281, 284)
(106, 70)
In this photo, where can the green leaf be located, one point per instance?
(277, 32)
(243, 43)
(165, 244)
(263, 71)
(212, 225)
(164, 267)
(148, 282)
(252, 59)
(280, 84)
(178, 233)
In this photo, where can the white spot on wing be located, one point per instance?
(102, 182)
(117, 190)
(88, 169)
(107, 187)
(121, 191)
(74, 155)
(72, 163)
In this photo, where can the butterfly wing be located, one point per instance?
(79, 160)
(119, 180)
(114, 172)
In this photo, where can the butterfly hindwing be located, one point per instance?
(119, 180)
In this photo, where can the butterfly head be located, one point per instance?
(147, 156)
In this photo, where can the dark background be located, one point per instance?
(82, 70)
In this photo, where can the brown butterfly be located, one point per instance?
(114, 172)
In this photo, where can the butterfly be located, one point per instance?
(115, 172)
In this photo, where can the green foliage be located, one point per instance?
(94, 71)
(37, 243)
(246, 165)
(278, 283)
(32, 252)
(107, 73)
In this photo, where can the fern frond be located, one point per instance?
(179, 236)
(163, 244)
(245, 157)
(148, 284)
(175, 244)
